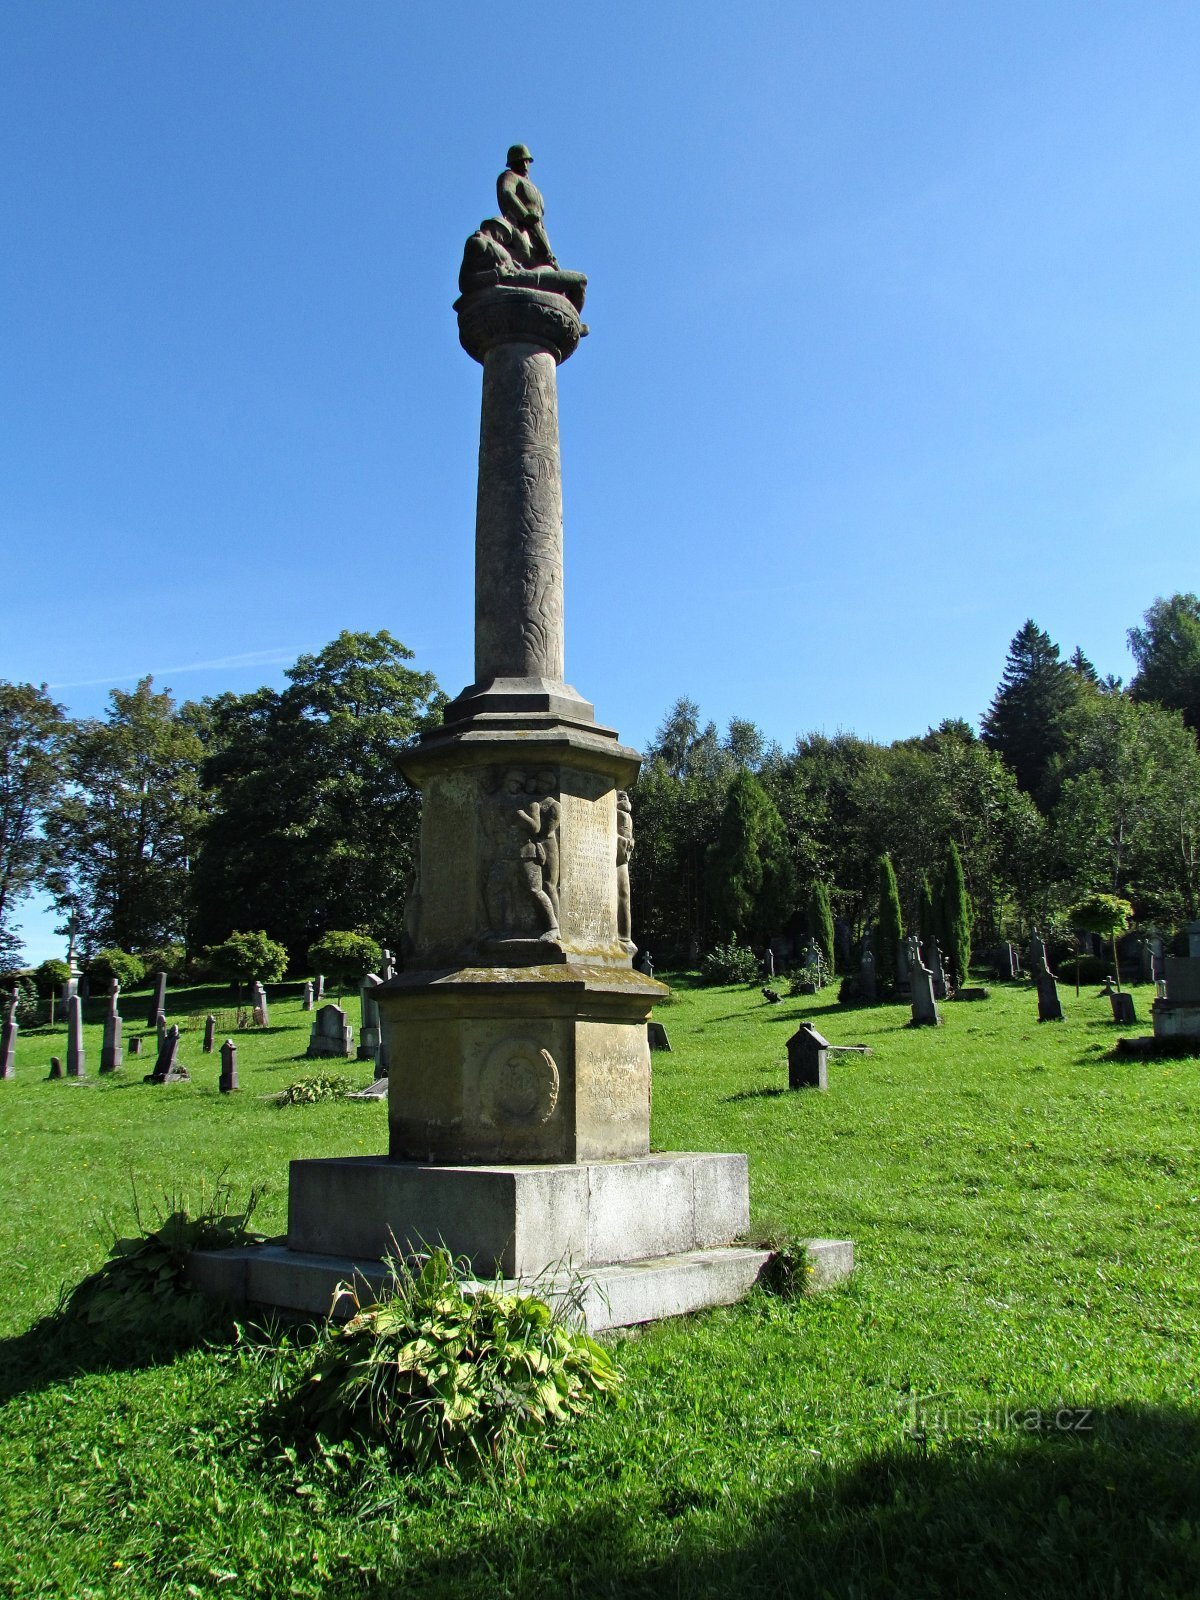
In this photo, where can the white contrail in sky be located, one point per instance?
(251, 658)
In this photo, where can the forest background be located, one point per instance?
(161, 828)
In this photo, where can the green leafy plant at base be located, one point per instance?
(789, 1270)
(141, 1291)
(441, 1370)
(730, 963)
(320, 1086)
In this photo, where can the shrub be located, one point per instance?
(437, 1371)
(246, 956)
(28, 1010)
(50, 977)
(345, 955)
(889, 932)
(168, 958)
(816, 973)
(320, 1086)
(105, 965)
(141, 1291)
(730, 963)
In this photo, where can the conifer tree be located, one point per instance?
(956, 915)
(749, 868)
(1025, 720)
(820, 921)
(929, 913)
(889, 928)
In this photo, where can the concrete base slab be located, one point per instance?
(618, 1295)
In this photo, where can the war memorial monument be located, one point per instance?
(519, 1085)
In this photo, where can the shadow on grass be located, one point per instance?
(1104, 1512)
(57, 1349)
(756, 1094)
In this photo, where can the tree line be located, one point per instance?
(162, 828)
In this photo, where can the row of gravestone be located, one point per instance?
(911, 975)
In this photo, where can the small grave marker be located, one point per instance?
(658, 1037)
(808, 1057)
(228, 1081)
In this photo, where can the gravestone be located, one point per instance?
(1192, 929)
(158, 1000)
(331, 1034)
(920, 983)
(135, 1045)
(1122, 1006)
(1037, 954)
(368, 1033)
(228, 1081)
(937, 968)
(308, 996)
(903, 979)
(644, 964)
(658, 1036)
(1049, 1005)
(808, 1056)
(160, 1030)
(258, 1005)
(1151, 955)
(868, 984)
(167, 1068)
(112, 1057)
(769, 962)
(319, 989)
(8, 1036)
(388, 969)
(210, 1034)
(56, 1070)
(76, 1059)
(1176, 1015)
(841, 943)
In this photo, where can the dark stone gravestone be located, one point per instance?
(841, 943)
(55, 1068)
(135, 1045)
(158, 1000)
(319, 988)
(368, 1033)
(658, 1037)
(1122, 1006)
(160, 1029)
(867, 982)
(920, 986)
(8, 1036)
(112, 1056)
(331, 1034)
(1049, 1005)
(808, 1057)
(167, 1068)
(210, 1034)
(228, 1081)
(938, 969)
(645, 964)
(76, 1059)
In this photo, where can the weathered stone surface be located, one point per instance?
(210, 1034)
(920, 985)
(519, 1063)
(1122, 1006)
(1182, 974)
(307, 1001)
(112, 1056)
(520, 1219)
(657, 1036)
(259, 1007)
(167, 1068)
(56, 1070)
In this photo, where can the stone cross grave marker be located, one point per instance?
(920, 982)
(112, 1057)
(158, 1000)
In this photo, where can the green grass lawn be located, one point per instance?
(1025, 1211)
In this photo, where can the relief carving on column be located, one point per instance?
(519, 1083)
(521, 818)
(410, 930)
(624, 852)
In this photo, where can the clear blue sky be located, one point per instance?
(894, 313)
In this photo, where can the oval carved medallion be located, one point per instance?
(518, 1083)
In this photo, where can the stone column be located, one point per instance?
(76, 1059)
(112, 1056)
(228, 1081)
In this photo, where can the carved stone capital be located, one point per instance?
(518, 316)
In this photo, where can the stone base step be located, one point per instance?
(615, 1296)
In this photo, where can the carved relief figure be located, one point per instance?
(522, 827)
(497, 254)
(624, 852)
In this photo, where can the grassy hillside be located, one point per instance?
(1025, 1211)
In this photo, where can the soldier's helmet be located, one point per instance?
(518, 152)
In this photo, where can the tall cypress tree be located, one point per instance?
(889, 928)
(749, 868)
(956, 915)
(820, 921)
(1025, 720)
